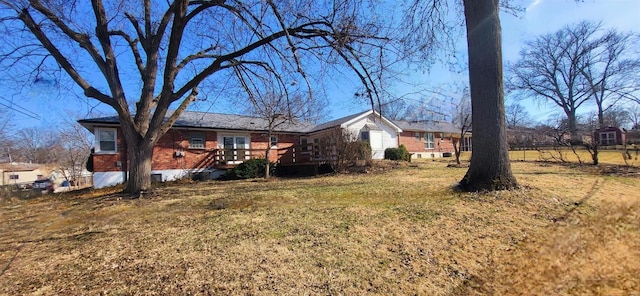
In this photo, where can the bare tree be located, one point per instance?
(549, 70)
(490, 168)
(462, 120)
(610, 70)
(281, 109)
(517, 116)
(340, 148)
(634, 116)
(617, 116)
(6, 143)
(76, 143)
(170, 48)
(36, 145)
(575, 65)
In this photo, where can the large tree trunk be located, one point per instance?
(490, 168)
(573, 128)
(140, 156)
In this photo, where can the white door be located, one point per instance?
(377, 147)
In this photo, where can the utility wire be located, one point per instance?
(32, 115)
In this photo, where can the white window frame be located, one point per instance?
(234, 157)
(197, 136)
(98, 135)
(429, 141)
(418, 137)
(466, 144)
(273, 141)
(304, 144)
(609, 138)
(14, 177)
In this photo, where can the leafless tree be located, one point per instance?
(340, 148)
(6, 143)
(462, 120)
(517, 116)
(634, 116)
(575, 65)
(611, 70)
(617, 116)
(76, 143)
(489, 168)
(167, 49)
(279, 109)
(36, 145)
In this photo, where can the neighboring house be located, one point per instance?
(610, 136)
(431, 139)
(212, 143)
(368, 126)
(20, 173)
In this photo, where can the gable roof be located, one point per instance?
(336, 122)
(428, 126)
(348, 120)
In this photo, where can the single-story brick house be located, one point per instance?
(431, 139)
(212, 143)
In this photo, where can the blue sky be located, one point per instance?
(541, 16)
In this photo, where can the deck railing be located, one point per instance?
(225, 158)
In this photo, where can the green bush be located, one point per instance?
(252, 168)
(363, 150)
(400, 153)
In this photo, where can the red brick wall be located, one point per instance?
(408, 139)
(260, 141)
(103, 162)
(164, 157)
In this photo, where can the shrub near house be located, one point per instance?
(400, 153)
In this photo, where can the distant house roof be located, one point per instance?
(428, 126)
(19, 166)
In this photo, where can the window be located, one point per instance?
(106, 140)
(428, 141)
(304, 145)
(417, 134)
(466, 144)
(316, 148)
(196, 141)
(273, 141)
(235, 148)
(364, 136)
(607, 138)
(14, 177)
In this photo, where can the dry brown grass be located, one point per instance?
(402, 231)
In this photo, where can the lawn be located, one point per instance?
(569, 230)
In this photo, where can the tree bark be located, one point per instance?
(140, 156)
(489, 168)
